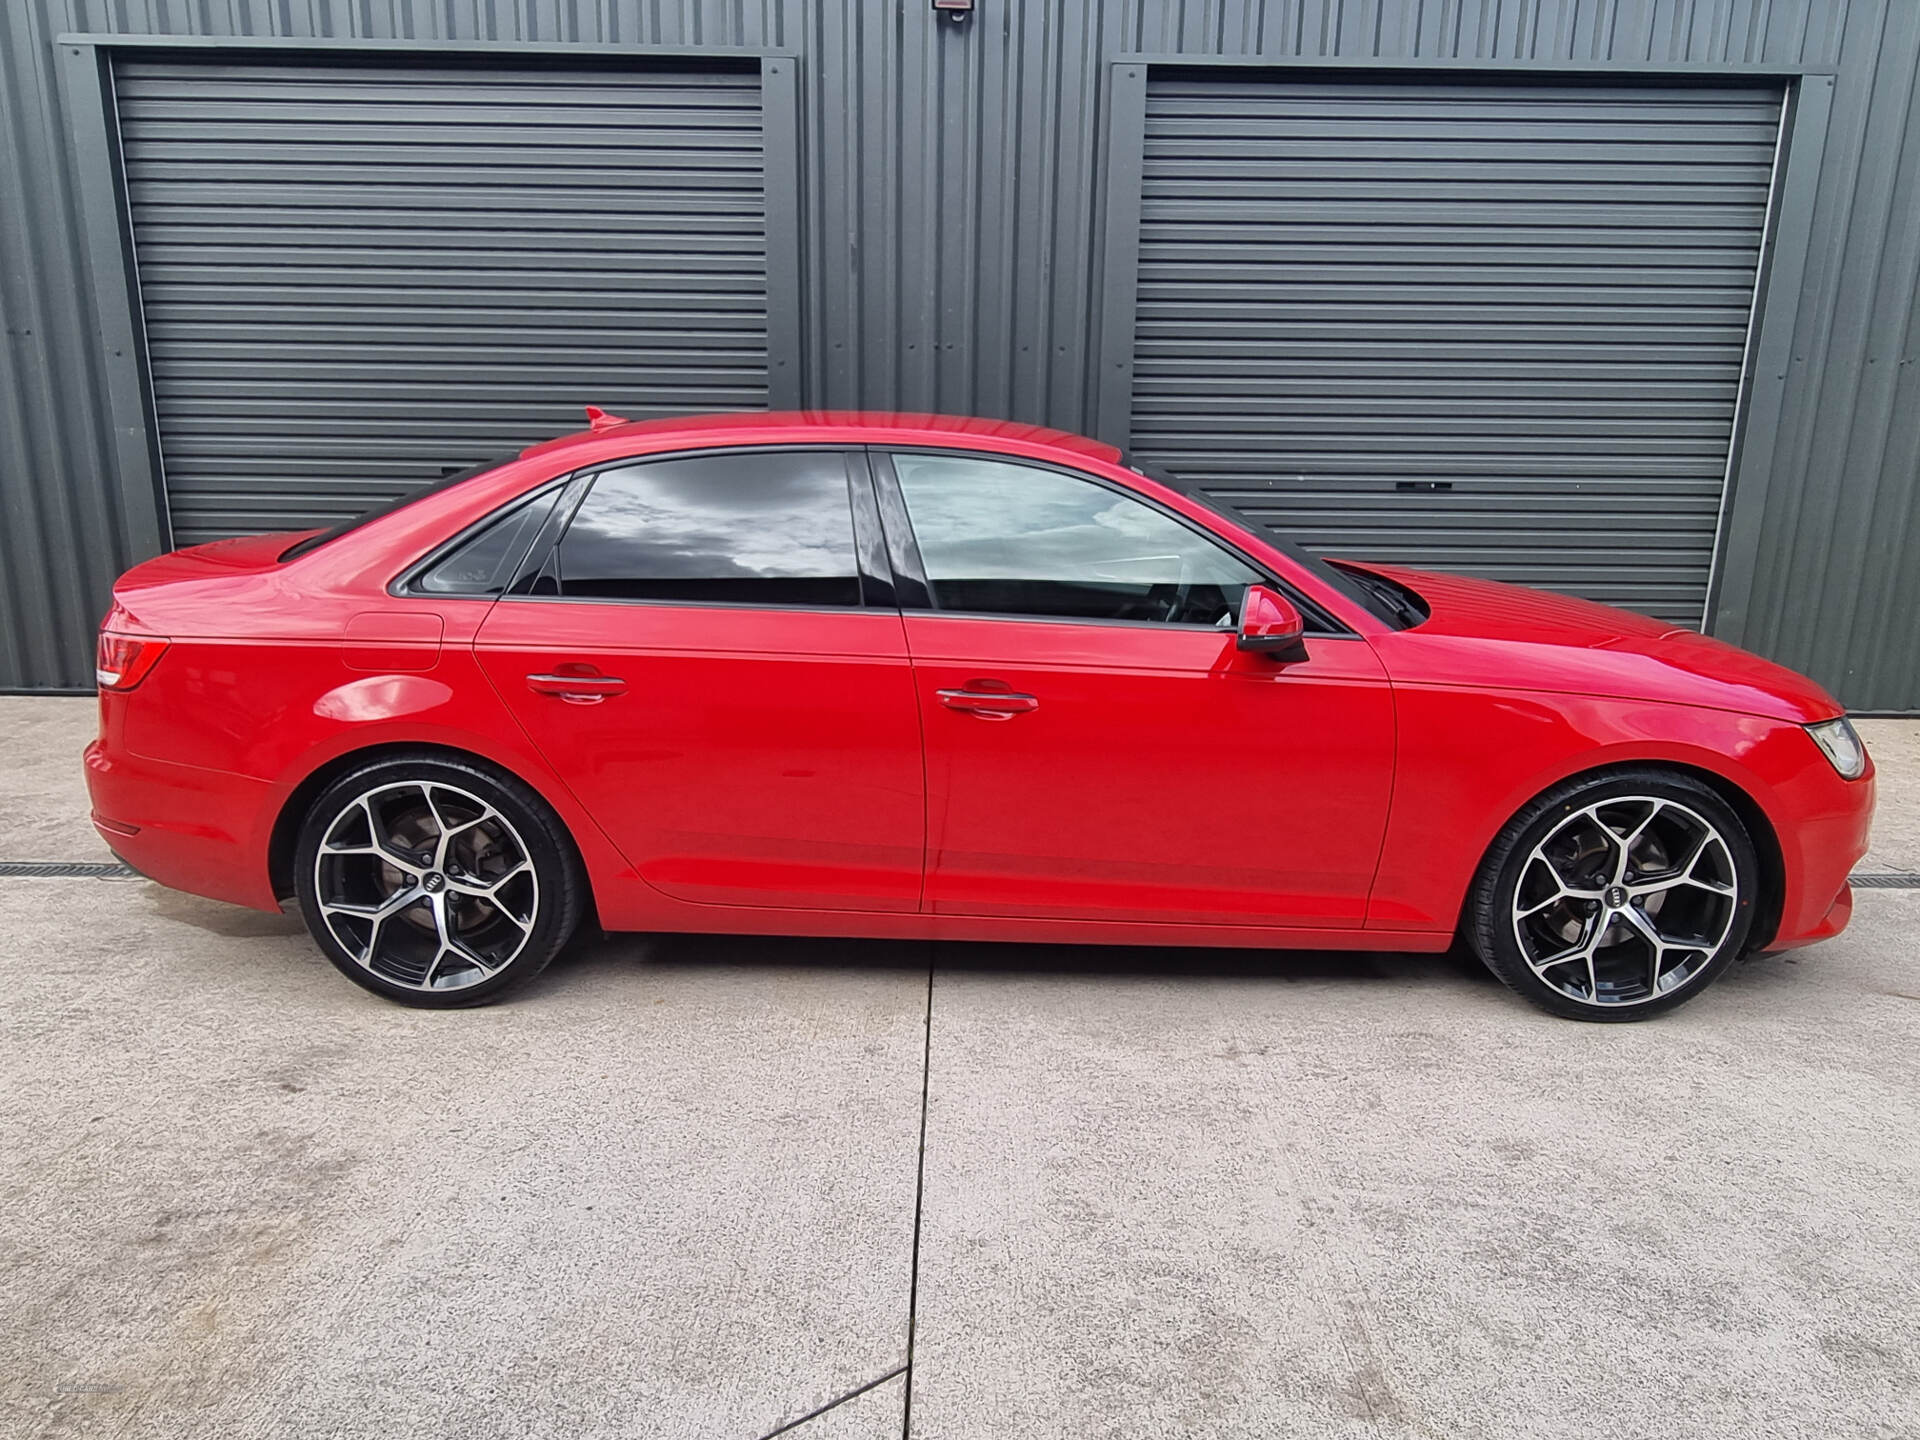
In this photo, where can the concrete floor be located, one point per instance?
(672, 1188)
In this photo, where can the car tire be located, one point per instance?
(1616, 897)
(436, 881)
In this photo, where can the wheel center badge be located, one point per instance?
(434, 883)
(1616, 897)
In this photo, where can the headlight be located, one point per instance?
(1843, 747)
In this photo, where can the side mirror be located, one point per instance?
(1269, 623)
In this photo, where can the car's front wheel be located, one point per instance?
(1616, 897)
(435, 882)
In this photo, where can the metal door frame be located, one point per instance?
(1806, 107)
(86, 90)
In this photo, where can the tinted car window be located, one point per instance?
(1010, 539)
(1370, 591)
(772, 529)
(484, 564)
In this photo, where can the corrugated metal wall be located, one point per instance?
(1489, 328)
(359, 279)
(953, 220)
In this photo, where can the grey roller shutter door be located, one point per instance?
(1492, 329)
(357, 279)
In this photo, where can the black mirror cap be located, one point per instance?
(1280, 647)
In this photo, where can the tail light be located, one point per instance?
(124, 660)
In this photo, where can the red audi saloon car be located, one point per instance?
(922, 677)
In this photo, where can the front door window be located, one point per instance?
(998, 538)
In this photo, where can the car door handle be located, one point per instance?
(988, 704)
(578, 689)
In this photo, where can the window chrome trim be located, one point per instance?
(884, 611)
(1227, 631)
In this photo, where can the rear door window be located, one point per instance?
(768, 529)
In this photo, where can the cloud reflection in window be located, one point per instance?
(769, 529)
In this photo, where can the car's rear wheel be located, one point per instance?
(435, 882)
(1616, 897)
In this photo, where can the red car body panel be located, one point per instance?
(800, 772)
(1041, 816)
(780, 763)
(1478, 635)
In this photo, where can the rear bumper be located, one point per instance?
(185, 827)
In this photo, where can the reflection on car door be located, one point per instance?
(1097, 746)
(700, 668)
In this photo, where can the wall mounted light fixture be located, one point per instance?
(954, 10)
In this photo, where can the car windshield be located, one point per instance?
(1379, 597)
(387, 507)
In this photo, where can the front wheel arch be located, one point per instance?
(1766, 841)
(1600, 916)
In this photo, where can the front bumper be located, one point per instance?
(1820, 849)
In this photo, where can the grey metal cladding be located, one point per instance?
(1488, 328)
(953, 218)
(358, 278)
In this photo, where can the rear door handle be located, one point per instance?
(989, 704)
(578, 689)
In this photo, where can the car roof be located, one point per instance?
(842, 427)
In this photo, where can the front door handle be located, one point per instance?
(989, 704)
(577, 689)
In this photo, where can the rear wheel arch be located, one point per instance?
(284, 839)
